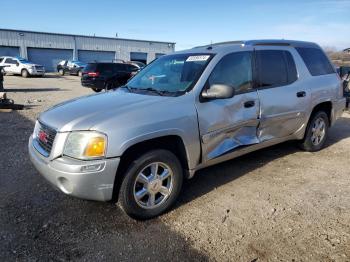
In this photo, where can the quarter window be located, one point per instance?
(316, 61)
(235, 70)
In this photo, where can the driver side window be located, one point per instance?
(234, 70)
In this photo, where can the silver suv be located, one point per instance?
(184, 112)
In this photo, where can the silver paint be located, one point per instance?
(212, 131)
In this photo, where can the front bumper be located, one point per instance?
(35, 72)
(73, 177)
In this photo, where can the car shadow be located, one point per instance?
(9, 90)
(208, 179)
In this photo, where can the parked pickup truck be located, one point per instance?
(20, 66)
(184, 112)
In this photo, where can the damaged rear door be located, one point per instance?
(228, 124)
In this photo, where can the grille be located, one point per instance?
(39, 68)
(45, 137)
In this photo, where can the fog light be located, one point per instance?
(65, 185)
(92, 168)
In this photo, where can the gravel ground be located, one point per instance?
(276, 204)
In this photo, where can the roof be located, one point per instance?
(87, 36)
(264, 42)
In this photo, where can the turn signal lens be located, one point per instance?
(95, 147)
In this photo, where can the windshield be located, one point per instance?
(172, 73)
(81, 64)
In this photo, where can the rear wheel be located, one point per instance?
(24, 73)
(151, 184)
(316, 132)
(96, 89)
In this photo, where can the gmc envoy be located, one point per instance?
(183, 112)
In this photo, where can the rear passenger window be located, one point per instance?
(119, 68)
(275, 68)
(316, 61)
(235, 70)
(10, 61)
(105, 68)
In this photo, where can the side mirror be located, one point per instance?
(17, 64)
(218, 91)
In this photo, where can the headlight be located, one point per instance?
(36, 129)
(85, 145)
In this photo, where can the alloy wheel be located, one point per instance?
(153, 185)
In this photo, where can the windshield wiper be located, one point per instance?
(159, 92)
(127, 87)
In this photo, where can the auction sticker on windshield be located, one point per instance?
(197, 58)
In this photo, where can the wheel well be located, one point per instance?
(172, 143)
(326, 107)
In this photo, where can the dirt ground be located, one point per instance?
(277, 204)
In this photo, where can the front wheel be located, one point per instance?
(151, 184)
(96, 89)
(316, 132)
(24, 73)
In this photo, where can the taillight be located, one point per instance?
(93, 74)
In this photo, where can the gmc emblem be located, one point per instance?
(42, 136)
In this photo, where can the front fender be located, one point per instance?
(118, 143)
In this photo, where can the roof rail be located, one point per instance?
(222, 43)
(266, 42)
(272, 43)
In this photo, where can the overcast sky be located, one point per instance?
(186, 22)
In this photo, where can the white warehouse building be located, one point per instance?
(48, 49)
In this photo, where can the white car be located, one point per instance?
(20, 66)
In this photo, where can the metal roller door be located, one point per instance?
(9, 51)
(48, 57)
(139, 57)
(92, 56)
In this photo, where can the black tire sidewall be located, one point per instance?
(96, 89)
(308, 145)
(126, 194)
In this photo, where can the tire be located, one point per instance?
(61, 72)
(315, 137)
(24, 73)
(96, 89)
(147, 207)
(80, 73)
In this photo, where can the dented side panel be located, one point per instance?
(225, 124)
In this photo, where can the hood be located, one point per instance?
(30, 64)
(86, 112)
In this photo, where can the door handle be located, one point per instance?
(249, 104)
(301, 94)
